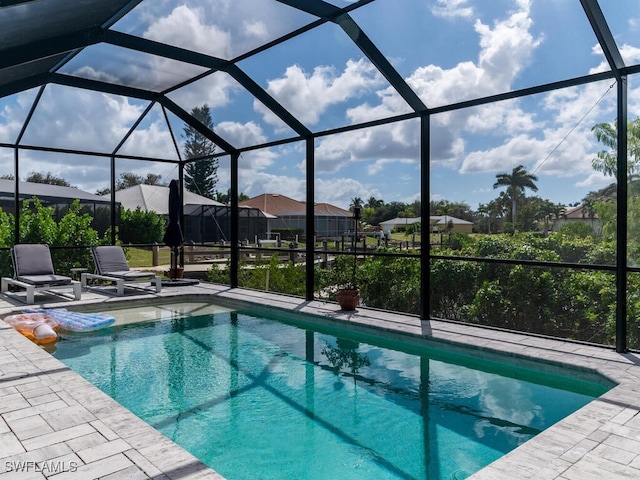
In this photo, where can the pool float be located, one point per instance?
(76, 321)
(37, 327)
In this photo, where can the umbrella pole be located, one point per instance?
(174, 264)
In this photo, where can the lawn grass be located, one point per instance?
(143, 257)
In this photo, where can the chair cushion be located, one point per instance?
(131, 275)
(32, 259)
(110, 258)
(40, 280)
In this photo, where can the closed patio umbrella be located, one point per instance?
(173, 236)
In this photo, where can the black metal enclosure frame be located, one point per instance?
(35, 60)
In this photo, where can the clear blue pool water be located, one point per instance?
(255, 397)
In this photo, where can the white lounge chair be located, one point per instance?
(112, 266)
(33, 271)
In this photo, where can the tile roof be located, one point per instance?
(280, 205)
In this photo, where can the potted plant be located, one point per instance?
(348, 296)
(348, 292)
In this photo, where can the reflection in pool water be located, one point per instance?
(254, 397)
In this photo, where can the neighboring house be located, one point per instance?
(155, 198)
(578, 214)
(59, 198)
(438, 224)
(205, 220)
(397, 224)
(287, 213)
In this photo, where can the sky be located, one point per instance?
(447, 51)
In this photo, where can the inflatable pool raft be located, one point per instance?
(37, 327)
(76, 321)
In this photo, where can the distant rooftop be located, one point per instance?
(155, 198)
(46, 192)
(281, 205)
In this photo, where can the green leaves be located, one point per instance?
(138, 226)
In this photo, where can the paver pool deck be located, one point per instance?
(54, 424)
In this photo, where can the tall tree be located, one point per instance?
(607, 160)
(130, 179)
(374, 203)
(48, 178)
(516, 182)
(355, 202)
(226, 197)
(557, 212)
(201, 176)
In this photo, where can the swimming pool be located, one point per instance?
(264, 396)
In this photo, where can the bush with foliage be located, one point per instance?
(6, 240)
(391, 283)
(273, 276)
(38, 226)
(140, 227)
(74, 232)
(36, 223)
(220, 273)
(557, 301)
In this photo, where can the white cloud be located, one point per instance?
(379, 165)
(502, 117)
(254, 183)
(238, 26)
(92, 73)
(81, 119)
(258, 160)
(595, 181)
(453, 8)
(84, 120)
(395, 141)
(336, 191)
(184, 27)
(153, 138)
(13, 113)
(630, 54)
(506, 49)
(520, 149)
(340, 191)
(257, 29)
(216, 90)
(308, 96)
(391, 103)
(242, 134)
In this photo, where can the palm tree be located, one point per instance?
(557, 212)
(607, 160)
(589, 208)
(355, 202)
(374, 203)
(446, 208)
(516, 182)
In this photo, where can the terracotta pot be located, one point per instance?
(348, 299)
(176, 272)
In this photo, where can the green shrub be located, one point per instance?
(74, 230)
(37, 224)
(139, 227)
